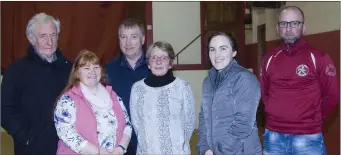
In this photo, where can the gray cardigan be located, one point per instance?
(227, 119)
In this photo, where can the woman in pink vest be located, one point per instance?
(89, 117)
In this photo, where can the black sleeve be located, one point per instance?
(12, 118)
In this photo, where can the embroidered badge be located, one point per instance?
(302, 70)
(330, 70)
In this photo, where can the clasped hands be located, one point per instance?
(115, 151)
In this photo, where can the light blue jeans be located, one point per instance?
(290, 144)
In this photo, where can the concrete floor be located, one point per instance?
(6, 144)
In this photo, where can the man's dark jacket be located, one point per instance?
(29, 89)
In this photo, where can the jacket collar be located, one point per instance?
(33, 56)
(76, 89)
(124, 62)
(217, 77)
(294, 48)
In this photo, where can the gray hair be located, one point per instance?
(163, 46)
(41, 18)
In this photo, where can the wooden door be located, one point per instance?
(227, 17)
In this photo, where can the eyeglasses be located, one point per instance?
(162, 58)
(292, 24)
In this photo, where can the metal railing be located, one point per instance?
(190, 43)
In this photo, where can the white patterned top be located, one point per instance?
(65, 119)
(163, 117)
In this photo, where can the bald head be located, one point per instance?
(290, 26)
(291, 10)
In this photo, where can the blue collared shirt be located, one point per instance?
(139, 62)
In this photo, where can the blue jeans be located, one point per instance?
(290, 144)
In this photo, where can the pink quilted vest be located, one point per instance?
(86, 124)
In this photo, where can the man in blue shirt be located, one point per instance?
(130, 67)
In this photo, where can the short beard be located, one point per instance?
(290, 42)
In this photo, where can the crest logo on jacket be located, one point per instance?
(330, 70)
(302, 70)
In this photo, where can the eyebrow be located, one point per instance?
(135, 34)
(158, 55)
(290, 21)
(47, 34)
(221, 46)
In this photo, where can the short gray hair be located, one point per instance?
(40, 18)
(162, 45)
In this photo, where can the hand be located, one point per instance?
(118, 151)
(103, 151)
(208, 152)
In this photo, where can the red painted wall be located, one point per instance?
(329, 42)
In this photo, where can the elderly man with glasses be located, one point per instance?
(299, 90)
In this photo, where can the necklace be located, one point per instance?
(95, 93)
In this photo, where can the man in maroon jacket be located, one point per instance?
(299, 90)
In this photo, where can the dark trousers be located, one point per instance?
(36, 148)
(42, 142)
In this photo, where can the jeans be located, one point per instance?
(291, 144)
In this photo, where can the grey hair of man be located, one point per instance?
(40, 18)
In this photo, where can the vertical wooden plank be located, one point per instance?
(7, 20)
(149, 23)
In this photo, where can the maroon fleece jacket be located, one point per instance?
(299, 88)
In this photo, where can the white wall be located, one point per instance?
(178, 23)
(319, 17)
(195, 78)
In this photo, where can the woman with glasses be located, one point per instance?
(162, 106)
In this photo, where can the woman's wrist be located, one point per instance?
(99, 151)
(123, 148)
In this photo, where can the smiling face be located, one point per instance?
(131, 41)
(90, 74)
(221, 52)
(159, 62)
